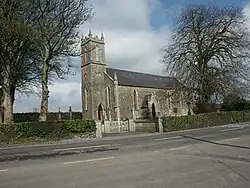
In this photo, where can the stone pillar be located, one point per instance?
(104, 112)
(116, 93)
(131, 125)
(149, 107)
(107, 127)
(109, 114)
(159, 124)
(98, 129)
(158, 109)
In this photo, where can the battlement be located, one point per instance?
(90, 37)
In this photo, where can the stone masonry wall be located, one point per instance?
(126, 101)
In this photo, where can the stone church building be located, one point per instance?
(113, 94)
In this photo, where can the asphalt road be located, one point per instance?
(208, 158)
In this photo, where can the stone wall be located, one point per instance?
(52, 116)
(161, 102)
(151, 126)
(118, 126)
(146, 127)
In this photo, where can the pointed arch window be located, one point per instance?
(108, 96)
(169, 101)
(86, 98)
(97, 53)
(135, 99)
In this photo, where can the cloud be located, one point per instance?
(246, 12)
(131, 43)
(62, 94)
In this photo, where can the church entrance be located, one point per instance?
(153, 110)
(100, 113)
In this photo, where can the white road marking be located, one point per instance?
(178, 148)
(77, 148)
(232, 129)
(89, 160)
(168, 138)
(230, 139)
(4, 170)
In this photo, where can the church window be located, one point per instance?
(169, 101)
(86, 98)
(108, 96)
(135, 99)
(85, 57)
(175, 110)
(97, 50)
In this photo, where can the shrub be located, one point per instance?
(204, 120)
(52, 130)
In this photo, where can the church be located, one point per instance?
(114, 94)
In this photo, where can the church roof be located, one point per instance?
(137, 79)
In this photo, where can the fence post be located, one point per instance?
(98, 129)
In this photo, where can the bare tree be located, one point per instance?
(56, 38)
(209, 52)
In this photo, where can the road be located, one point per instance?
(208, 158)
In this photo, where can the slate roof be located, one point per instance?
(137, 79)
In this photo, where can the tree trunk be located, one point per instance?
(1, 104)
(7, 97)
(44, 99)
(1, 111)
(8, 108)
(13, 92)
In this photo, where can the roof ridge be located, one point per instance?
(141, 73)
(138, 79)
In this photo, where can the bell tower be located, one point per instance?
(93, 86)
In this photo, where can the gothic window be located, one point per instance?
(97, 51)
(135, 99)
(169, 101)
(85, 57)
(108, 96)
(86, 98)
(175, 110)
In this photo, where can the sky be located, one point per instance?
(135, 32)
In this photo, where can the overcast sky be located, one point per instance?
(135, 31)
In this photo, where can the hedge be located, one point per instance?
(204, 120)
(52, 130)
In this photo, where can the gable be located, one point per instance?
(137, 79)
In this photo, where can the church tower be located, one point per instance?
(93, 84)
